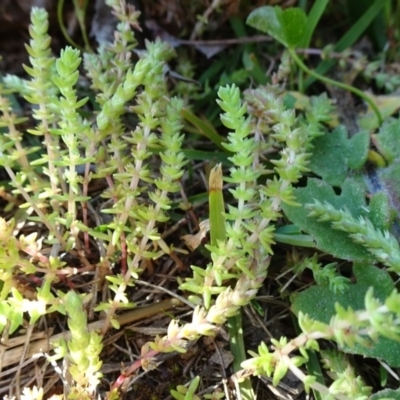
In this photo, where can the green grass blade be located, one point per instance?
(341, 85)
(313, 365)
(313, 18)
(295, 240)
(204, 127)
(216, 206)
(352, 35)
(236, 344)
(201, 155)
(218, 233)
(303, 5)
(250, 59)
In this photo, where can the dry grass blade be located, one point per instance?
(42, 344)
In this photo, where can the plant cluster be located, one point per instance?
(76, 141)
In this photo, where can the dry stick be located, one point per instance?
(163, 289)
(17, 377)
(44, 345)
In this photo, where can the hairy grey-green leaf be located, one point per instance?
(319, 303)
(329, 240)
(334, 154)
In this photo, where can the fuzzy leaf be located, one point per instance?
(334, 154)
(286, 26)
(319, 303)
(357, 150)
(336, 243)
(386, 394)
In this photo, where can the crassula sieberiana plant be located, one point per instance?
(75, 151)
(129, 134)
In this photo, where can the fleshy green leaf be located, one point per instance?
(286, 26)
(327, 239)
(319, 303)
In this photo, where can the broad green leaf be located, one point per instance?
(357, 150)
(319, 303)
(386, 394)
(336, 243)
(288, 26)
(334, 154)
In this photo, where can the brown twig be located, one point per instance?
(43, 345)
